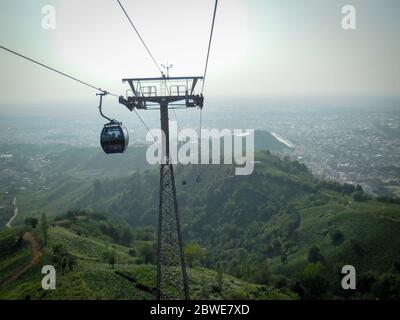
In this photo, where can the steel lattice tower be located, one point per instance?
(172, 281)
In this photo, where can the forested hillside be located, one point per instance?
(279, 224)
(98, 259)
(278, 227)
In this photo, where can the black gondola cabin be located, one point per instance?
(114, 138)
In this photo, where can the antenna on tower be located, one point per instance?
(167, 67)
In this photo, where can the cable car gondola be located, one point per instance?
(114, 138)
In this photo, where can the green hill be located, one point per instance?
(92, 277)
(278, 227)
(270, 220)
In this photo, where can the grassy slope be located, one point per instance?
(92, 278)
(10, 261)
(374, 225)
(362, 223)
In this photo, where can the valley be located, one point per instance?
(266, 234)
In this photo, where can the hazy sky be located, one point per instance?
(261, 47)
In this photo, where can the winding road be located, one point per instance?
(8, 225)
(36, 250)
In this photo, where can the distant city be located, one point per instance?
(346, 145)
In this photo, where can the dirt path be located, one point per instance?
(390, 219)
(36, 254)
(8, 225)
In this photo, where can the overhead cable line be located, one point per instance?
(209, 44)
(144, 123)
(56, 71)
(148, 51)
(204, 81)
(140, 37)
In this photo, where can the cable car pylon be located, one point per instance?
(148, 93)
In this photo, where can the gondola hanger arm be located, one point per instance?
(102, 94)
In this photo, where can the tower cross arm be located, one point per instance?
(162, 91)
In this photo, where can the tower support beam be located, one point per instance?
(172, 280)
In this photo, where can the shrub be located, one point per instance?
(31, 222)
(63, 258)
(314, 281)
(315, 255)
(148, 253)
(132, 252)
(337, 237)
(236, 294)
(110, 257)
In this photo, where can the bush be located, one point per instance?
(236, 294)
(132, 252)
(72, 215)
(145, 234)
(360, 196)
(63, 258)
(148, 253)
(119, 234)
(365, 282)
(261, 273)
(31, 222)
(387, 287)
(110, 257)
(357, 249)
(281, 282)
(315, 255)
(314, 281)
(194, 254)
(337, 237)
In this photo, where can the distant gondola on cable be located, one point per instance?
(114, 138)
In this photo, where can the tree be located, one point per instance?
(72, 215)
(337, 237)
(357, 249)
(63, 264)
(261, 273)
(63, 258)
(387, 287)
(359, 188)
(126, 237)
(148, 253)
(314, 281)
(348, 188)
(220, 277)
(132, 252)
(31, 222)
(315, 255)
(72, 261)
(360, 196)
(194, 254)
(44, 227)
(284, 258)
(110, 257)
